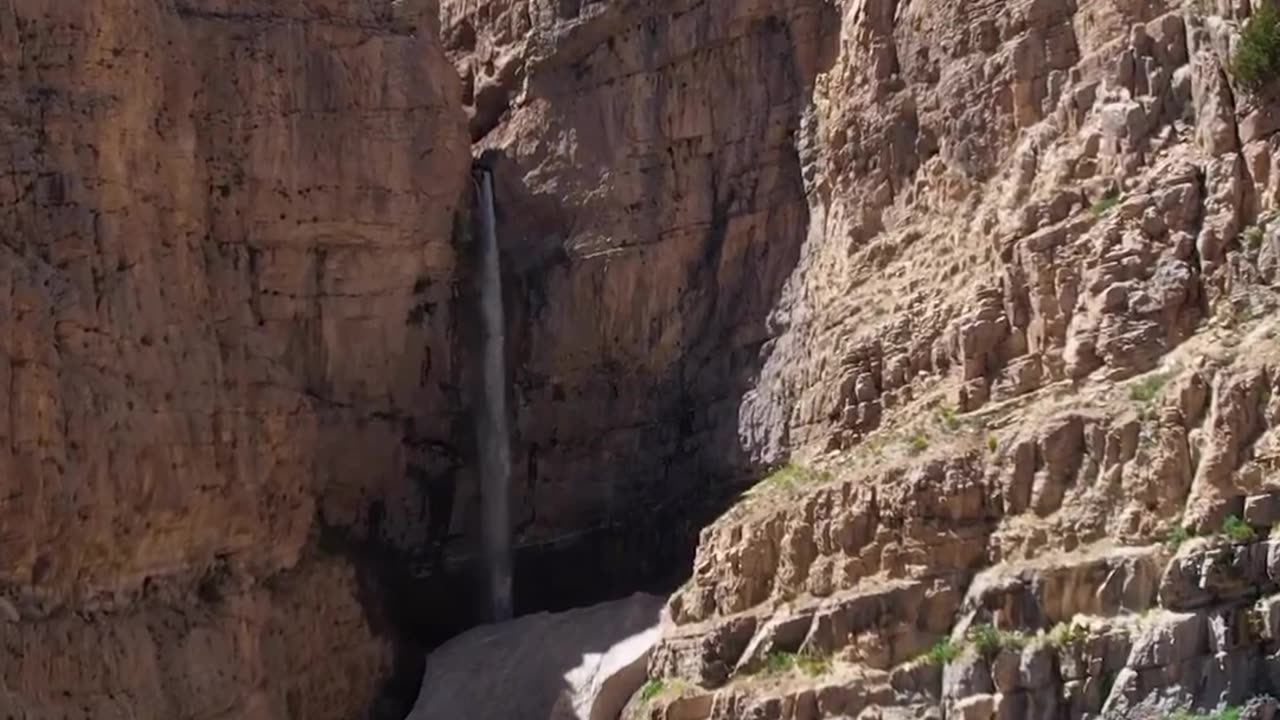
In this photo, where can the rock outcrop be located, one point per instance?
(1030, 336)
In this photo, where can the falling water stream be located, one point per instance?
(495, 453)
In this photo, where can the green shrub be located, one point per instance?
(652, 689)
(1229, 712)
(791, 476)
(1178, 535)
(988, 641)
(1105, 204)
(1257, 58)
(917, 444)
(947, 418)
(1148, 388)
(993, 443)
(943, 652)
(783, 663)
(1237, 530)
(1066, 635)
(1253, 237)
(813, 665)
(779, 663)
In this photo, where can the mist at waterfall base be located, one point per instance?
(491, 416)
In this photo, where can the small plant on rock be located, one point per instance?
(993, 443)
(1178, 535)
(1105, 204)
(779, 663)
(783, 663)
(1253, 237)
(988, 640)
(1257, 57)
(917, 444)
(1230, 712)
(947, 418)
(1067, 635)
(1237, 530)
(943, 652)
(1148, 388)
(792, 476)
(813, 664)
(652, 689)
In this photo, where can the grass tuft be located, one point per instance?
(652, 689)
(813, 665)
(948, 419)
(1253, 237)
(1067, 635)
(944, 651)
(783, 663)
(1231, 712)
(792, 476)
(1178, 535)
(988, 640)
(1237, 530)
(917, 444)
(1105, 204)
(1148, 388)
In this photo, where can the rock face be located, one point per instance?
(652, 205)
(579, 665)
(1005, 273)
(224, 284)
(1030, 336)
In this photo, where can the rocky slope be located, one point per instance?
(225, 268)
(1017, 208)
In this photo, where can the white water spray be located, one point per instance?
(491, 420)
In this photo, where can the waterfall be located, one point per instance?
(491, 418)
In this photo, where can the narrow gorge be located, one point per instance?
(763, 359)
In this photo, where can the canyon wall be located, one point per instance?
(652, 205)
(997, 278)
(226, 270)
(1027, 356)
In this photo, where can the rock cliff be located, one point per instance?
(652, 206)
(991, 284)
(225, 274)
(926, 248)
(1030, 344)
